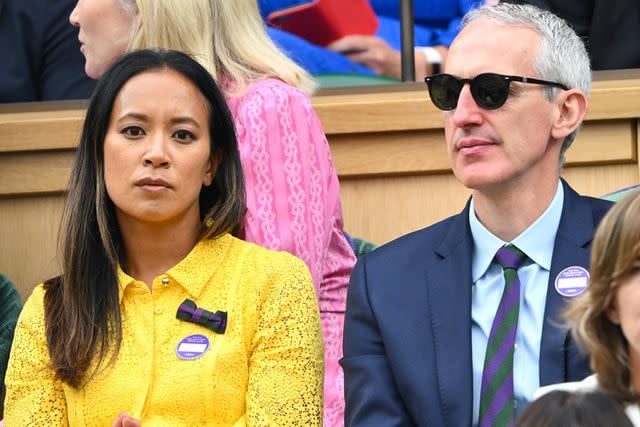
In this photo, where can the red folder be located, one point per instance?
(324, 21)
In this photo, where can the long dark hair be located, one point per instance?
(82, 309)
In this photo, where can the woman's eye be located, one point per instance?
(133, 131)
(184, 136)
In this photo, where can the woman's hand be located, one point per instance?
(370, 51)
(376, 54)
(124, 420)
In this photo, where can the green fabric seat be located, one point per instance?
(10, 308)
(620, 194)
(344, 80)
(362, 247)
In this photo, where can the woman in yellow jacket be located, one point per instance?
(160, 316)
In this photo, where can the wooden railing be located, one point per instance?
(387, 144)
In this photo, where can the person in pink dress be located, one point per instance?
(293, 204)
(292, 189)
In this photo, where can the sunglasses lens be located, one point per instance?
(444, 90)
(490, 91)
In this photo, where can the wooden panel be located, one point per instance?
(598, 181)
(424, 151)
(611, 99)
(401, 107)
(389, 153)
(414, 151)
(410, 108)
(604, 141)
(36, 172)
(386, 112)
(29, 229)
(382, 208)
(637, 144)
(40, 130)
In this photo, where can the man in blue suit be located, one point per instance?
(442, 328)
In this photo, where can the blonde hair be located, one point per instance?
(614, 256)
(228, 37)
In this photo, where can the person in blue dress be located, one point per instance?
(436, 24)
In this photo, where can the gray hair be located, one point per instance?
(562, 56)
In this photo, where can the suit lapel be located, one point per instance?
(449, 297)
(574, 234)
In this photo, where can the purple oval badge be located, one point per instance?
(192, 347)
(572, 281)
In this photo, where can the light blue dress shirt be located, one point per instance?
(537, 242)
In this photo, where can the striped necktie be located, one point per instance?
(497, 400)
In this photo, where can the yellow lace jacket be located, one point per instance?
(265, 369)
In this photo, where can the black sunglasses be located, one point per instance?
(489, 90)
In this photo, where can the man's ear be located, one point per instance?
(211, 171)
(572, 107)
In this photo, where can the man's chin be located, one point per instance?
(475, 178)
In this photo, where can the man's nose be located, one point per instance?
(467, 112)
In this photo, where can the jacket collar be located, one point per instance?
(195, 270)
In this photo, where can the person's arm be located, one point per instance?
(9, 312)
(376, 54)
(315, 59)
(292, 190)
(370, 51)
(371, 395)
(34, 395)
(286, 358)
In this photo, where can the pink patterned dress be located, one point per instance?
(293, 201)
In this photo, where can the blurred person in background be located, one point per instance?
(9, 311)
(40, 56)
(436, 23)
(609, 28)
(573, 409)
(605, 318)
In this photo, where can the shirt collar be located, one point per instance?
(537, 241)
(195, 270)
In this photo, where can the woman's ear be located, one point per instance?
(137, 22)
(138, 14)
(572, 107)
(613, 315)
(210, 173)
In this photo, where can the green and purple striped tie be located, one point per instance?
(497, 400)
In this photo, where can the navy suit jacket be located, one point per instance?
(40, 52)
(407, 333)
